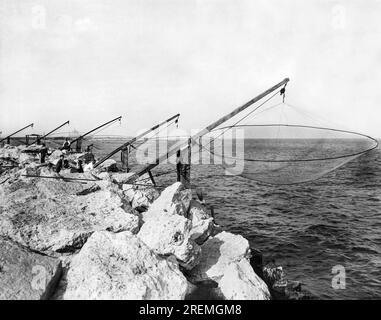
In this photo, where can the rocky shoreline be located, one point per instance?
(93, 236)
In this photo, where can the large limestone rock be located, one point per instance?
(33, 148)
(282, 288)
(225, 262)
(122, 177)
(273, 274)
(10, 152)
(26, 275)
(59, 215)
(141, 194)
(27, 158)
(55, 156)
(217, 254)
(240, 282)
(175, 199)
(120, 266)
(143, 198)
(140, 198)
(170, 235)
(202, 222)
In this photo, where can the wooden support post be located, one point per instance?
(151, 177)
(79, 145)
(200, 159)
(187, 167)
(8, 138)
(124, 158)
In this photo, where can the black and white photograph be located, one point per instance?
(209, 151)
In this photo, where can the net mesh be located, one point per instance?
(282, 144)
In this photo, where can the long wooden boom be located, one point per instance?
(49, 133)
(29, 125)
(182, 144)
(87, 133)
(135, 139)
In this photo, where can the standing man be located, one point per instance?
(43, 153)
(60, 163)
(179, 165)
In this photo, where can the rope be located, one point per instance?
(310, 127)
(243, 118)
(315, 117)
(158, 175)
(269, 108)
(145, 139)
(174, 121)
(100, 129)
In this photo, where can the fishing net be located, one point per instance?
(281, 144)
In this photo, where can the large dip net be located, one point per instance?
(281, 144)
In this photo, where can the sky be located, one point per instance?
(89, 61)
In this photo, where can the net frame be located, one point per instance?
(282, 164)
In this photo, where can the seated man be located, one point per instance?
(78, 168)
(66, 145)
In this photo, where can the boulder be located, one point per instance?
(139, 194)
(273, 274)
(201, 231)
(104, 176)
(170, 235)
(143, 198)
(217, 253)
(120, 266)
(59, 215)
(55, 156)
(92, 188)
(121, 177)
(10, 152)
(33, 148)
(26, 275)
(240, 282)
(88, 167)
(198, 211)
(26, 158)
(175, 199)
(202, 222)
(280, 287)
(108, 166)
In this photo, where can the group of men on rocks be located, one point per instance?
(62, 163)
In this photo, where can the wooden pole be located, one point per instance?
(49, 133)
(87, 133)
(8, 137)
(183, 144)
(124, 158)
(135, 139)
(189, 164)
